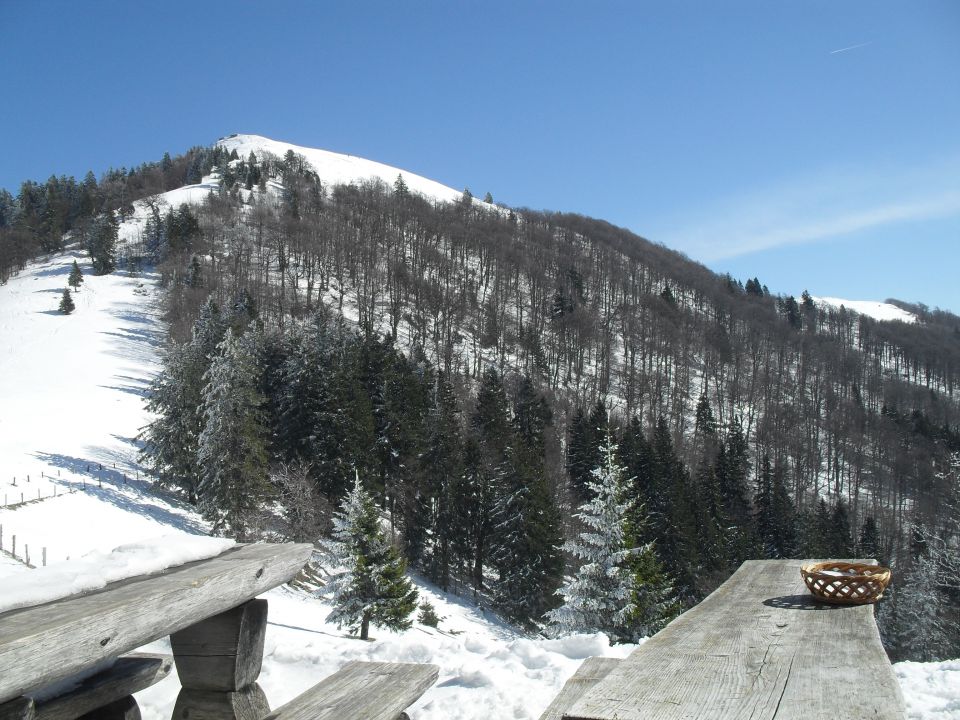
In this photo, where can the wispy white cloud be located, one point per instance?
(817, 208)
(852, 47)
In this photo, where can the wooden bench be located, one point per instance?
(216, 630)
(758, 647)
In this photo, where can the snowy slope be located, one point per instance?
(72, 390)
(870, 308)
(335, 168)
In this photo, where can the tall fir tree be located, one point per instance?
(172, 440)
(586, 435)
(732, 466)
(868, 543)
(839, 536)
(442, 470)
(371, 586)
(603, 594)
(232, 450)
(527, 523)
(492, 435)
(102, 244)
(673, 511)
(75, 279)
(775, 521)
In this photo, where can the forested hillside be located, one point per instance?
(469, 361)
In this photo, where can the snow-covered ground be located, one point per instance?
(870, 308)
(932, 690)
(71, 404)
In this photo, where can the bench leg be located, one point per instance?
(247, 704)
(218, 661)
(123, 709)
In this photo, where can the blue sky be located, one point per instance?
(813, 145)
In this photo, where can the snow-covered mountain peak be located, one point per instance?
(337, 168)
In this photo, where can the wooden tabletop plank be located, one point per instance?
(758, 647)
(46, 643)
(368, 690)
(591, 671)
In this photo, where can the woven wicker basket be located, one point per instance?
(845, 583)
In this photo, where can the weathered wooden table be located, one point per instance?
(758, 647)
(216, 630)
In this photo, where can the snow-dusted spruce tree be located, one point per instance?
(75, 279)
(171, 441)
(233, 443)
(371, 586)
(66, 302)
(609, 592)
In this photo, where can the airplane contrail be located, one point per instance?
(852, 47)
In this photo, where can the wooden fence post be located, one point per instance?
(44, 557)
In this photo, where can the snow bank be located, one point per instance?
(488, 671)
(931, 690)
(96, 569)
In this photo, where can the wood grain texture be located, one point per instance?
(46, 643)
(223, 652)
(590, 672)
(361, 690)
(130, 674)
(758, 647)
(247, 704)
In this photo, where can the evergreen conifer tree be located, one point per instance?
(75, 278)
(731, 470)
(233, 444)
(868, 544)
(603, 595)
(171, 441)
(487, 463)
(577, 451)
(840, 537)
(775, 521)
(371, 586)
(526, 546)
(442, 468)
(66, 302)
(102, 243)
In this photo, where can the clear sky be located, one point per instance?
(811, 144)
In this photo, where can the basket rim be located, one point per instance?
(876, 572)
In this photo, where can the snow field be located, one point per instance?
(71, 405)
